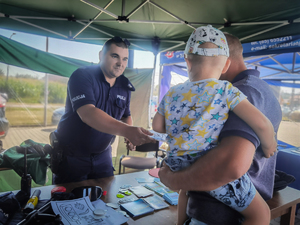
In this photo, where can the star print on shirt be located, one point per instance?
(208, 108)
(237, 94)
(183, 105)
(179, 141)
(167, 114)
(202, 133)
(215, 116)
(188, 96)
(199, 89)
(197, 84)
(174, 121)
(218, 101)
(186, 120)
(208, 140)
(220, 91)
(205, 97)
(175, 131)
(170, 93)
(176, 98)
(197, 114)
(201, 122)
(194, 107)
(211, 84)
(195, 145)
(173, 108)
(211, 126)
(186, 130)
(190, 137)
(223, 106)
(178, 111)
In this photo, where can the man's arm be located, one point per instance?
(228, 161)
(101, 121)
(128, 120)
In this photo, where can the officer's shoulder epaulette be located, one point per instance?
(126, 83)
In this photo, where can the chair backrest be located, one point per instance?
(149, 147)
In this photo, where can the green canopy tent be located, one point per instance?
(20, 55)
(153, 25)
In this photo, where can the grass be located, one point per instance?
(20, 116)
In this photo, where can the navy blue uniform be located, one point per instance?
(85, 148)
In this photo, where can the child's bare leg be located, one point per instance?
(181, 208)
(257, 213)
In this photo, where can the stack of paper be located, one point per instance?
(171, 198)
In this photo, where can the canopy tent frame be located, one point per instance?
(286, 70)
(126, 19)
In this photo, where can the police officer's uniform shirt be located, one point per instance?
(88, 85)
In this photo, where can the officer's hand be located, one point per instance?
(139, 136)
(129, 145)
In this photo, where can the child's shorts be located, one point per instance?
(237, 194)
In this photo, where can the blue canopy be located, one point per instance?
(277, 59)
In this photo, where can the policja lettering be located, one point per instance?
(121, 97)
(78, 97)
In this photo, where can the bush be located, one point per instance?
(57, 92)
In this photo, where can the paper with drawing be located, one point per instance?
(81, 211)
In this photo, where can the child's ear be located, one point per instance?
(226, 66)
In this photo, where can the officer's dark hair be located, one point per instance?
(118, 41)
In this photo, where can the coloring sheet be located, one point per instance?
(81, 212)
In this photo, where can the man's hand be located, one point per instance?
(165, 174)
(139, 136)
(129, 145)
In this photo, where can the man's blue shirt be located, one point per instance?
(88, 85)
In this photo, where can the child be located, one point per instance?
(193, 114)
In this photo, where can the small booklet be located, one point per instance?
(156, 202)
(137, 208)
(141, 192)
(158, 136)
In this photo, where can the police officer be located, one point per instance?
(97, 109)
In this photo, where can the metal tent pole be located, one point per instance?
(151, 91)
(46, 89)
